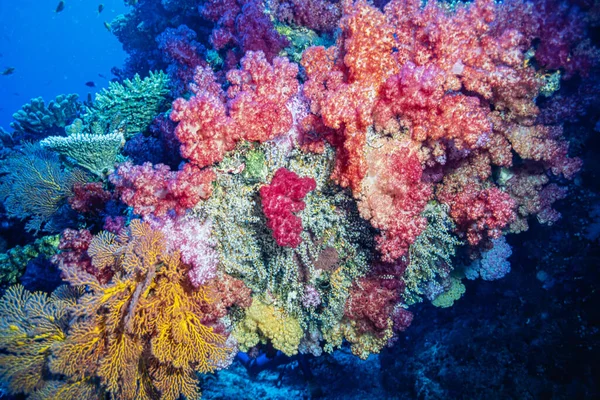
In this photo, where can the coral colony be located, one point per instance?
(284, 175)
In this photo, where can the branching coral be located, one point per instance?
(96, 153)
(135, 101)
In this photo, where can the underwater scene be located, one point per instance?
(299, 199)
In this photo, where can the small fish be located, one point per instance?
(60, 6)
(100, 8)
(16, 94)
(8, 71)
(102, 76)
(90, 84)
(89, 98)
(107, 26)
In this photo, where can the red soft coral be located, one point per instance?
(259, 94)
(343, 83)
(373, 298)
(89, 198)
(73, 254)
(205, 131)
(482, 213)
(280, 199)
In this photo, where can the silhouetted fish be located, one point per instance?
(102, 76)
(60, 6)
(8, 71)
(100, 8)
(90, 84)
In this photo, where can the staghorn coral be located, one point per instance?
(143, 334)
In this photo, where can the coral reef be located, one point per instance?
(328, 173)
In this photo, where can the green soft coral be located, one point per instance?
(431, 253)
(453, 293)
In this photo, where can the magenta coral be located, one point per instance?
(280, 199)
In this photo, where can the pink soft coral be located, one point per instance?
(193, 239)
(255, 108)
(393, 197)
(156, 189)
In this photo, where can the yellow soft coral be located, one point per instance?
(267, 322)
(362, 344)
(142, 334)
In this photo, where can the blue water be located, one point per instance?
(54, 53)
